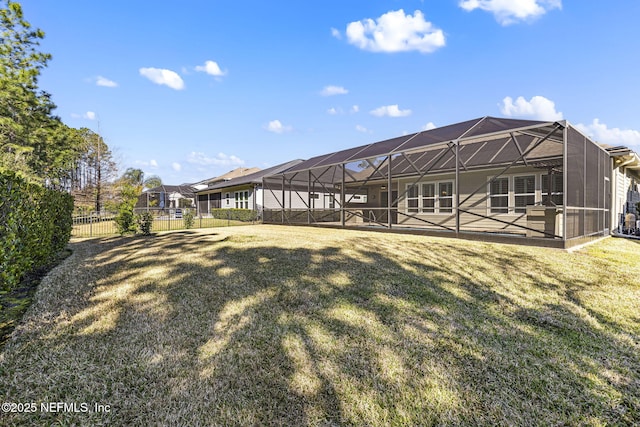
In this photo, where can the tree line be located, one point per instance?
(35, 144)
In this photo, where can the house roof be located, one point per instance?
(253, 178)
(200, 185)
(185, 190)
(624, 156)
(479, 130)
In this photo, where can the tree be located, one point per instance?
(25, 111)
(33, 142)
(130, 187)
(93, 170)
(152, 182)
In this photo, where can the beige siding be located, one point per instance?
(478, 203)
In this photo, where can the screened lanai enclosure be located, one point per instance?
(543, 183)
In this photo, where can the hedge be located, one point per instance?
(35, 225)
(235, 214)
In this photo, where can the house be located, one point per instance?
(536, 182)
(167, 197)
(625, 185)
(237, 172)
(239, 192)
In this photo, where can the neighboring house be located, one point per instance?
(167, 197)
(544, 183)
(240, 192)
(625, 184)
(237, 172)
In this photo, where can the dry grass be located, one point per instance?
(271, 325)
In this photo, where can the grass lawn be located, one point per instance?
(274, 325)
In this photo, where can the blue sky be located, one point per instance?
(192, 89)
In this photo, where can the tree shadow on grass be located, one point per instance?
(208, 328)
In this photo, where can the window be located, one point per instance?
(556, 189)
(524, 191)
(227, 196)
(445, 197)
(422, 197)
(429, 198)
(412, 198)
(499, 195)
(331, 199)
(242, 199)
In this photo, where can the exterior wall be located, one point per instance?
(625, 195)
(297, 200)
(375, 208)
(227, 199)
(479, 203)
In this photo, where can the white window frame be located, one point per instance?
(512, 209)
(491, 196)
(512, 191)
(543, 188)
(440, 197)
(423, 198)
(413, 197)
(437, 198)
(241, 199)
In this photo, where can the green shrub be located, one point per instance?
(125, 219)
(36, 225)
(246, 215)
(145, 222)
(188, 218)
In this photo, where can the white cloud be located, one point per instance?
(332, 111)
(212, 68)
(612, 136)
(277, 127)
(539, 108)
(162, 76)
(335, 33)
(220, 159)
(362, 129)
(176, 166)
(151, 163)
(333, 90)
(396, 32)
(429, 126)
(390, 111)
(89, 115)
(105, 82)
(509, 12)
(355, 109)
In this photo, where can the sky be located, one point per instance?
(192, 89)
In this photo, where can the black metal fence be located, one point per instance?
(96, 224)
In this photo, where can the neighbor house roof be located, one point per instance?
(254, 178)
(185, 190)
(201, 185)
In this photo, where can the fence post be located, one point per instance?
(228, 217)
